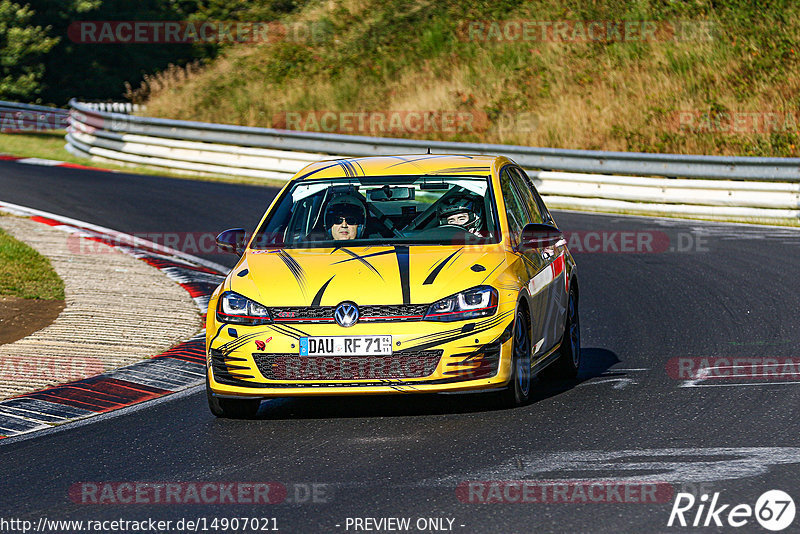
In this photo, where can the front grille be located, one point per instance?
(368, 314)
(402, 364)
(391, 313)
(302, 313)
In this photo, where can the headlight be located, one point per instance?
(235, 309)
(479, 301)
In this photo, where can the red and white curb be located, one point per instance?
(179, 368)
(49, 163)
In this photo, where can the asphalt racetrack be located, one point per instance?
(659, 299)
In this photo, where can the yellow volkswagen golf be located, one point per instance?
(394, 275)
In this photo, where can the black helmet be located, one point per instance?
(461, 204)
(348, 206)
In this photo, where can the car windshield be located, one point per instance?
(383, 210)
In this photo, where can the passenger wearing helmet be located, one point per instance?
(462, 211)
(345, 217)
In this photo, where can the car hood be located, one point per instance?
(364, 275)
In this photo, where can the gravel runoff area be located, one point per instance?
(119, 310)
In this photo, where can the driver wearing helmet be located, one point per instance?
(461, 211)
(345, 217)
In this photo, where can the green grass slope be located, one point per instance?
(725, 82)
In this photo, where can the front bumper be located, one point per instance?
(428, 357)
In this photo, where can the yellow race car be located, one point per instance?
(394, 274)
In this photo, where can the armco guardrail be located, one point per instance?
(16, 117)
(114, 107)
(711, 186)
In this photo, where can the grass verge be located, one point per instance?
(25, 273)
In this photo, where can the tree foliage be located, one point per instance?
(39, 62)
(22, 47)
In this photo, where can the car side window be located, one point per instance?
(515, 209)
(526, 191)
(546, 216)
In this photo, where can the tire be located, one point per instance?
(569, 358)
(518, 391)
(231, 408)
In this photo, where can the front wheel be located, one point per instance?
(518, 391)
(569, 357)
(231, 408)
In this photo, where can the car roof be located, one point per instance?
(455, 164)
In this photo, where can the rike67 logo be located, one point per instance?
(774, 510)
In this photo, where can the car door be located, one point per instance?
(532, 262)
(552, 277)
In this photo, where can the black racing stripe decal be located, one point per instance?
(318, 170)
(235, 344)
(318, 296)
(297, 270)
(436, 270)
(455, 337)
(491, 322)
(479, 324)
(288, 330)
(347, 167)
(428, 156)
(381, 253)
(353, 171)
(280, 329)
(493, 270)
(431, 344)
(401, 251)
(364, 262)
(508, 287)
(437, 334)
(359, 166)
(460, 170)
(217, 334)
(444, 337)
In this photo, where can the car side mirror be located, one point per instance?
(233, 241)
(539, 235)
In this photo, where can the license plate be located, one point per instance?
(346, 346)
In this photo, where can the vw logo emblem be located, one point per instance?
(346, 314)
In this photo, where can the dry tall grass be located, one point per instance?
(614, 96)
